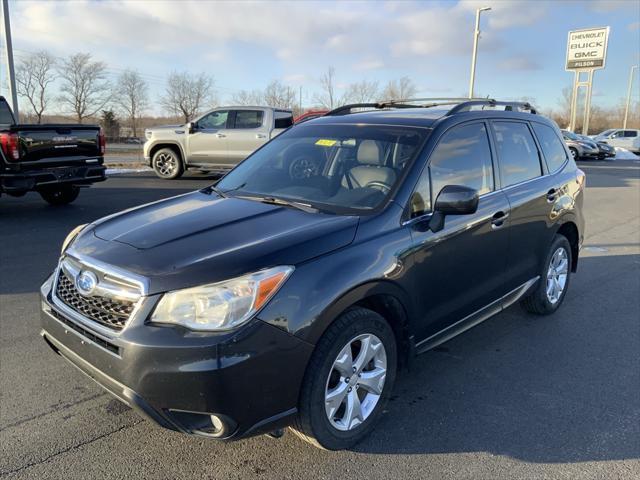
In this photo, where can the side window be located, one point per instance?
(213, 120)
(552, 148)
(517, 152)
(283, 119)
(617, 134)
(421, 197)
(248, 119)
(462, 157)
(630, 133)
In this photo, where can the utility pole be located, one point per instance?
(300, 105)
(13, 94)
(626, 110)
(476, 35)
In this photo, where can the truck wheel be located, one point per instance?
(167, 164)
(61, 195)
(554, 279)
(348, 381)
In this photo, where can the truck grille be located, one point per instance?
(109, 312)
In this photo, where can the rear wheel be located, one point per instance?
(167, 164)
(554, 279)
(60, 195)
(348, 381)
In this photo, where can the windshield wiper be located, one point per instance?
(215, 190)
(279, 201)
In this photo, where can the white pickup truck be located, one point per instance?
(215, 142)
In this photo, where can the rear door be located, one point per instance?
(531, 196)
(248, 131)
(631, 140)
(208, 143)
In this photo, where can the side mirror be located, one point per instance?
(453, 200)
(191, 127)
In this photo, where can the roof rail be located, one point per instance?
(490, 102)
(462, 104)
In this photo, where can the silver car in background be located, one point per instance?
(628, 138)
(580, 147)
(215, 142)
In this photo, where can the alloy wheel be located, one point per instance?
(557, 274)
(166, 164)
(356, 381)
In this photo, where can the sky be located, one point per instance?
(245, 45)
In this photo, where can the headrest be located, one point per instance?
(369, 153)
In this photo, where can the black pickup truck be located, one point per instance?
(54, 160)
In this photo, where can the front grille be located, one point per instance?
(108, 312)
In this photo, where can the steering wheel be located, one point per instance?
(303, 167)
(379, 185)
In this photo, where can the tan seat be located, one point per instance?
(370, 171)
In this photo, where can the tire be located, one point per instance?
(167, 164)
(539, 301)
(354, 327)
(61, 195)
(574, 153)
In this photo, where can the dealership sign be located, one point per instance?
(587, 49)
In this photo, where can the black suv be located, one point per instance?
(289, 296)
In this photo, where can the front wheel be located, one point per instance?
(348, 381)
(574, 153)
(554, 279)
(167, 164)
(61, 195)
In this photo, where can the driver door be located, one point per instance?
(461, 268)
(208, 142)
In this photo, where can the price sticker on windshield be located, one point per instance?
(325, 142)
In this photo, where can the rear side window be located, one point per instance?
(248, 119)
(630, 133)
(462, 157)
(551, 145)
(283, 119)
(517, 152)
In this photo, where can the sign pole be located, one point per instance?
(574, 101)
(626, 108)
(587, 105)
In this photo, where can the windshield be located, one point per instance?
(571, 135)
(606, 132)
(336, 168)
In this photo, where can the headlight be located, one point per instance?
(72, 235)
(223, 305)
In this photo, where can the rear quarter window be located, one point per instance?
(552, 148)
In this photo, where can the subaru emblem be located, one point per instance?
(86, 282)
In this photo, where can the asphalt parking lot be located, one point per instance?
(516, 397)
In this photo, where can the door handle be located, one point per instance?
(220, 135)
(498, 219)
(552, 195)
(260, 135)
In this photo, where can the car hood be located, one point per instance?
(201, 238)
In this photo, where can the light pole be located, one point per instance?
(626, 110)
(13, 94)
(475, 48)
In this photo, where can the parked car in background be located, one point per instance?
(579, 147)
(54, 160)
(628, 139)
(605, 150)
(310, 115)
(273, 300)
(216, 141)
(134, 141)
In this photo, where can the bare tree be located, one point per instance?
(34, 75)
(279, 95)
(131, 94)
(85, 88)
(186, 94)
(327, 97)
(246, 97)
(400, 89)
(361, 92)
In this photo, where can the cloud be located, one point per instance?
(369, 64)
(633, 26)
(519, 63)
(605, 6)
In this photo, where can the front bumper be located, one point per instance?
(248, 379)
(29, 180)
